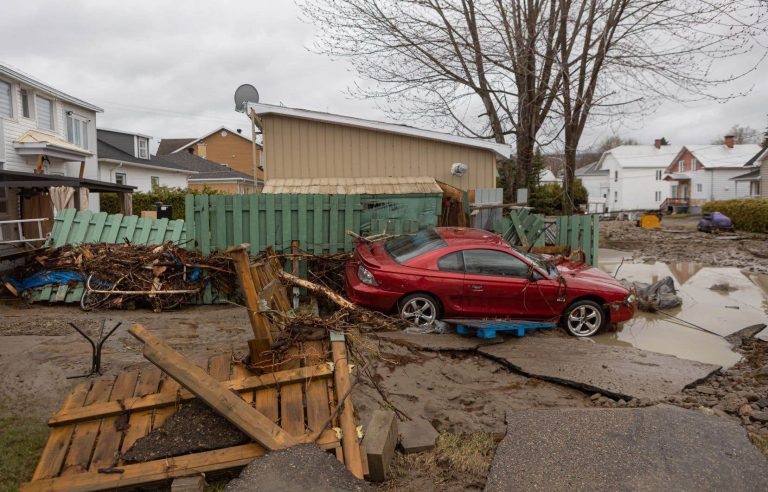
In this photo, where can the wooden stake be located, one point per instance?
(349, 444)
(262, 330)
(317, 289)
(215, 394)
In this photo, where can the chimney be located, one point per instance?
(729, 141)
(657, 143)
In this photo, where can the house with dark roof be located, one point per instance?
(754, 182)
(211, 175)
(223, 146)
(124, 158)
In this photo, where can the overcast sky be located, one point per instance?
(169, 68)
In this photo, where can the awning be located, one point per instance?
(34, 142)
(16, 179)
(677, 177)
(753, 175)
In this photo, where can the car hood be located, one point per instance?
(584, 276)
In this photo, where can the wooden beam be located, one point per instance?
(349, 444)
(317, 289)
(261, 326)
(159, 400)
(82, 169)
(164, 469)
(216, 395)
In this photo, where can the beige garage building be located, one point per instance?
(308, 144)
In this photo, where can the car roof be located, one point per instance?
(465, 236)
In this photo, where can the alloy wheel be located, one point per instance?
(420, 311)
(584, 320)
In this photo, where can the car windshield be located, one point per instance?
(403, 248)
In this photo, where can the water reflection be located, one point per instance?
(741, 301)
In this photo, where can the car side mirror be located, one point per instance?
(534, 276)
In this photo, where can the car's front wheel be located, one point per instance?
(584, 318)
(419, 309)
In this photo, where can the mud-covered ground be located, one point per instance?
(678, 240)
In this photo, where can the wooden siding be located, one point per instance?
(231, 150)
(298, 148)
(228, 188)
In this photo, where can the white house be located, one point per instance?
(703, 173)
(47, 150)
(546, 176)
(635, 177)
(124, 158)
(595, 181)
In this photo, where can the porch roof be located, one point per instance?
(753, 175)
(18, 179)
(34, 142)
(677, 177)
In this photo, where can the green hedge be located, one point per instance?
(547, 199)
(146, 201)
(747, 215)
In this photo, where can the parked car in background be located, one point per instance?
(445, 273)
(714, 222)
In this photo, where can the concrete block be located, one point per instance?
(188, 484)
(417, 435)
(379, 443)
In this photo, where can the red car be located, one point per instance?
(452, 272)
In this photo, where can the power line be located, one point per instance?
(168, 112)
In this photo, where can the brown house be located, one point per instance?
(223, 146)
(309, 144)
(213, 176)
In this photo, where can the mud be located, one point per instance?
(193, 428)
(679, 241)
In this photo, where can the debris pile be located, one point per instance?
(656, 296)
(116, 275)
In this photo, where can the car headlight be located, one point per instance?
(631, 299)
(365, 276)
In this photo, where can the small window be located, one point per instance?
(693, 164)
(25, 104)
(658, 196)
(44, 113)
(494, 263)
(699, 187)
(77, 131)
(659, 174)
(143, 148)
(120, 178)
(681, 166)
(452, 262)
(616, 176)
(155, 181)
(615, 196)
(6, 106)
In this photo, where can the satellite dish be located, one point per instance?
(243, 95)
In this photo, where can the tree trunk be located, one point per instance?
(523, 162)
(570, 171)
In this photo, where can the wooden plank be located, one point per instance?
(204, 224)
(128, 228)
(162, 470)
(58, 441)
(168, 395)
(217, 396)
(595, 225)
(318, 408)
(140, 423)
(239, 371)
(270, 219)
(219, 229)
(349, 220)
(144, 229)
(85, 434)
(292, 398)
(171, 390)
(97, 228)
(65, 225)
(237, 219)
(349, 443)
(107, 450)
(157, 231)
(218, 366)
(254, 233)
(111, 229)
(259, 323)
(189, 219)
(287, 230)
(318, 238)
(333, 227)
(518, 228)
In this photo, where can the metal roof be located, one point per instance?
(18, 179)
(720, 155)
(30, 81)
(354, 186)
(503, 150)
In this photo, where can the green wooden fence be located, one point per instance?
(580, 231)
(524, 229)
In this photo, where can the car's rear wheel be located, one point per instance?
(419, 309)
(584, 318)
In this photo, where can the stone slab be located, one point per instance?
(644, 449)
(188, 484)
(616, 371)
(437, 341)
(379, 443)
(417, 435)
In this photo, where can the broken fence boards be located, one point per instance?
(217, 396)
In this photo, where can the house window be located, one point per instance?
(77, 131)
(615, 196)
(6, 108)
(25, 106)
(143, 148)
(155, 181)
(681, 165)
(3, 201)
(120, 178)
(615, 176)
(44, 113)
(658, 196)
(659, 174)
(699, 187)
(693, 164)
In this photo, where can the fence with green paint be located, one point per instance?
(522, 228)
(580, 231)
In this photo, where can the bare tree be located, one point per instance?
(741, 135)
(617, 53)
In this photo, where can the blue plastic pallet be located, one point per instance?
(488, 329)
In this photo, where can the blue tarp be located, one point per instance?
(43, 278)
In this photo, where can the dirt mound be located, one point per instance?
(193, 428)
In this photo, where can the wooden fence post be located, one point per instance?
(349, 444)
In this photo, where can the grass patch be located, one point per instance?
(761, 442)
(461, 460)
(21, 441)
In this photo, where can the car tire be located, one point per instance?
(584, 318)
(419, 309)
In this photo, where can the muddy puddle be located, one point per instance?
(740, 301)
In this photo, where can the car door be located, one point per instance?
(448, 284)
(494, 283)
